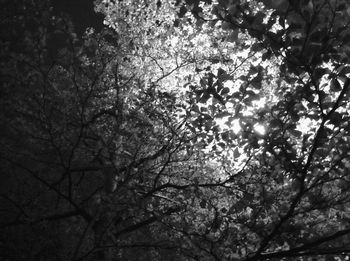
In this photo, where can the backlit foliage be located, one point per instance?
(184, 130)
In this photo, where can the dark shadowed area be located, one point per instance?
(82, 13)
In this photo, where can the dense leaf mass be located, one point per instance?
(183, 130)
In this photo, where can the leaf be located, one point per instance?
(345, 70)
(346, 38)
(205, 97)
(222, 75)
(225, 136)
(256, 47)
(320, 72)
(176, 23)
(222, 144)
(183, 11)
(335, 85)
(222, 114)
(195, 108)
(225, 91)
(267, 55)
(233, 36)
(203, 203)
(295, 133)
(226, 25)
(236, 153)
(279, 5)
(256, 82)
(208, 125)
(335, 119)
(275, 123)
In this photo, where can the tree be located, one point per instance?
(298, 172)
(187, 130)
(84, 139)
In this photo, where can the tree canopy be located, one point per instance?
(182, 130)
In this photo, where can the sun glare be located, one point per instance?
(260, 129)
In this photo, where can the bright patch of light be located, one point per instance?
(236, 126)
(225, 125)
(260, 129)
(174, 41)
(256, 105)
(305, 124)
(229, 84)
(259, 103)
(233, 85)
